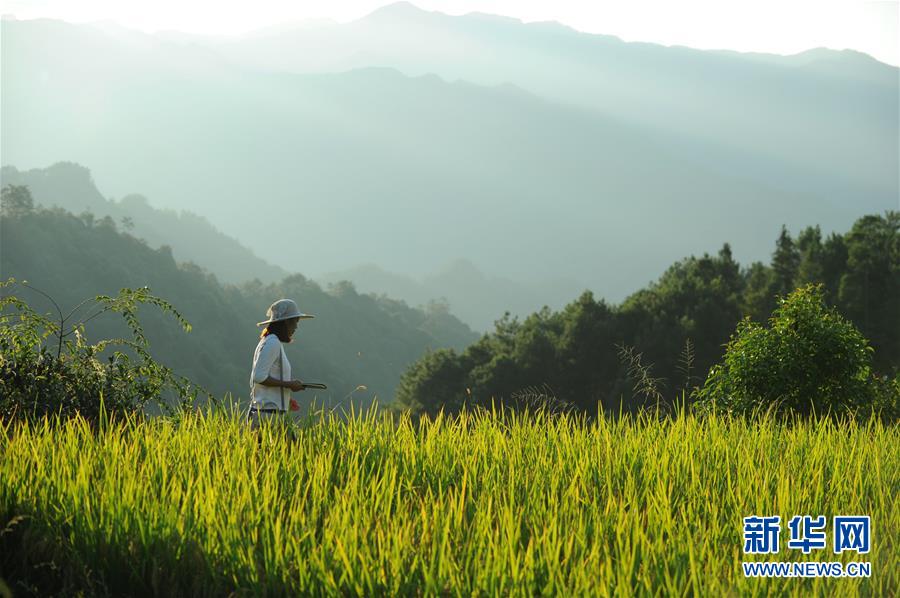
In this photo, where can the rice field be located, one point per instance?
(479, 504)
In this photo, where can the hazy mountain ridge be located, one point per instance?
(406, 171)
(761, 101)
(849, 64)
(477, 299)
(191, 237)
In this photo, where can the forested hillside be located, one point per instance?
(190, 236)
(678, 326)
(354, 339)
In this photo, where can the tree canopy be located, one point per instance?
(676, 328)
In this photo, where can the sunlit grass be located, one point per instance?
(469, 505)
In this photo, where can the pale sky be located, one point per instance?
(776, 26)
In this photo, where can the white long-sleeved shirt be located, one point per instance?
(265, 364)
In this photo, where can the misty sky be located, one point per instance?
(779, 26)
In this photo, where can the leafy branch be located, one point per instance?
(76, 377)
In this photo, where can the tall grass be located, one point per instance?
(479, 503)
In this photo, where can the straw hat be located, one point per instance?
(283, 309)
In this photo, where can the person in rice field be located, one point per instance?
(271, 383)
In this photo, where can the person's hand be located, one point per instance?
(296, 385)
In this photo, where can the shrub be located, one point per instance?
(808, 360)
(66, 377)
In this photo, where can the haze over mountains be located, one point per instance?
(476, 299)
(761, 103)
(536, 151)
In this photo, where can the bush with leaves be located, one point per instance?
(47, 367)
(808, 360)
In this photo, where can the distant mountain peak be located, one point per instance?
(848, 54)
(820, 56)
(397, 10)
(461, 267)
(407, 11)
(75, 175)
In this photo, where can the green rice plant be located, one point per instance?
(483, 503)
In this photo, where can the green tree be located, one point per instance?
(809, 359)
(821, 261)
(869, 290)
(758, 300)
(811, 268)
(785, 264)
(586, 354)
(435, 381)
(15, 201)
(698, 299)
(834, 264)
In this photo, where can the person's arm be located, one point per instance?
(264, 359)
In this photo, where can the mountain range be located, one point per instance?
(409, 139)
(459, 287)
